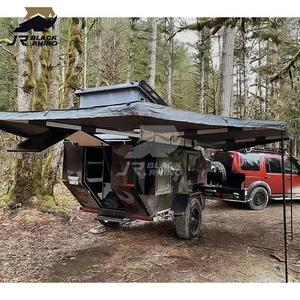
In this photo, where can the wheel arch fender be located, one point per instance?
(181, 200)
(256, 184)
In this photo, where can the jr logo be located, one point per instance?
(37, 19)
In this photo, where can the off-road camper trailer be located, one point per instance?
(127, 155)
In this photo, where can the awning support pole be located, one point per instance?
(284, 210)
(291, 189)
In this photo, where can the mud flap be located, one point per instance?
(181, 200)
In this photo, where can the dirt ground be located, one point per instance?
(236, 245)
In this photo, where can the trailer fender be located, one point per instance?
(256, 184)
(181, 200)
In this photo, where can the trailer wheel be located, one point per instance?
(259, 199)
(189, 223)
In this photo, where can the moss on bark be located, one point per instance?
(74, 71)
(40, 99)
(30, 83)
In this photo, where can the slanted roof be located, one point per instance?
(125, 118)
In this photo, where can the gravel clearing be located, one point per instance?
(236, 245)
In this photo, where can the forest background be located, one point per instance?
(240, 67)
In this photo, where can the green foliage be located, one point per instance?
(49, 204)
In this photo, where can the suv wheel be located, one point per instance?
(259, 198)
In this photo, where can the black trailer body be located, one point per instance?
(107, 181)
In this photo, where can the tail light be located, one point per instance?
(218, 194)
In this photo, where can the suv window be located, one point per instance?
(287, 167)
(250, 162)
(273, 165)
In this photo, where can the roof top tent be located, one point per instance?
(117, 94)
(128, 155)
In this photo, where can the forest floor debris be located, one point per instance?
(236, 245)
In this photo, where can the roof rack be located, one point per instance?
(264, 150)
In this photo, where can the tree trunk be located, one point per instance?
(26, 82)
(202, 82)
(53, 95)
(35, 175)
(152, 52)
(260, 94)
(74, 72)
(85, 56)
(130, 55)
(99, 73)
(170, 63)
(226, 71)
(52, 161)
(23, 187)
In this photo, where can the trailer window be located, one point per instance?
(72, 158)
(250, 162)
(163, 176)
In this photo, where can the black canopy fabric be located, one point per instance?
(44, 128)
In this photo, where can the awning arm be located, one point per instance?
(41, 141)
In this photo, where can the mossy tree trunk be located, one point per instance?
(74, 72)
(35, 174)
(54, 158)
(49, 175)
(23, 186)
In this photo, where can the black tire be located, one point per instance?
(259, 199)
(221, 169)
(188, 224)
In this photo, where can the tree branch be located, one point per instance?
(92, 25)
(258, 97)
(286, 68)
(6, 50)
(211, 23)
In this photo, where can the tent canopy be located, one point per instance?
(45, 128)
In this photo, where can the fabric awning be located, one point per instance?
(44, 128)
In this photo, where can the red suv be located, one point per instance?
(261, 175)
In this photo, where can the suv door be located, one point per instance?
(272, 175)
(250, 165)
(295, 177)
